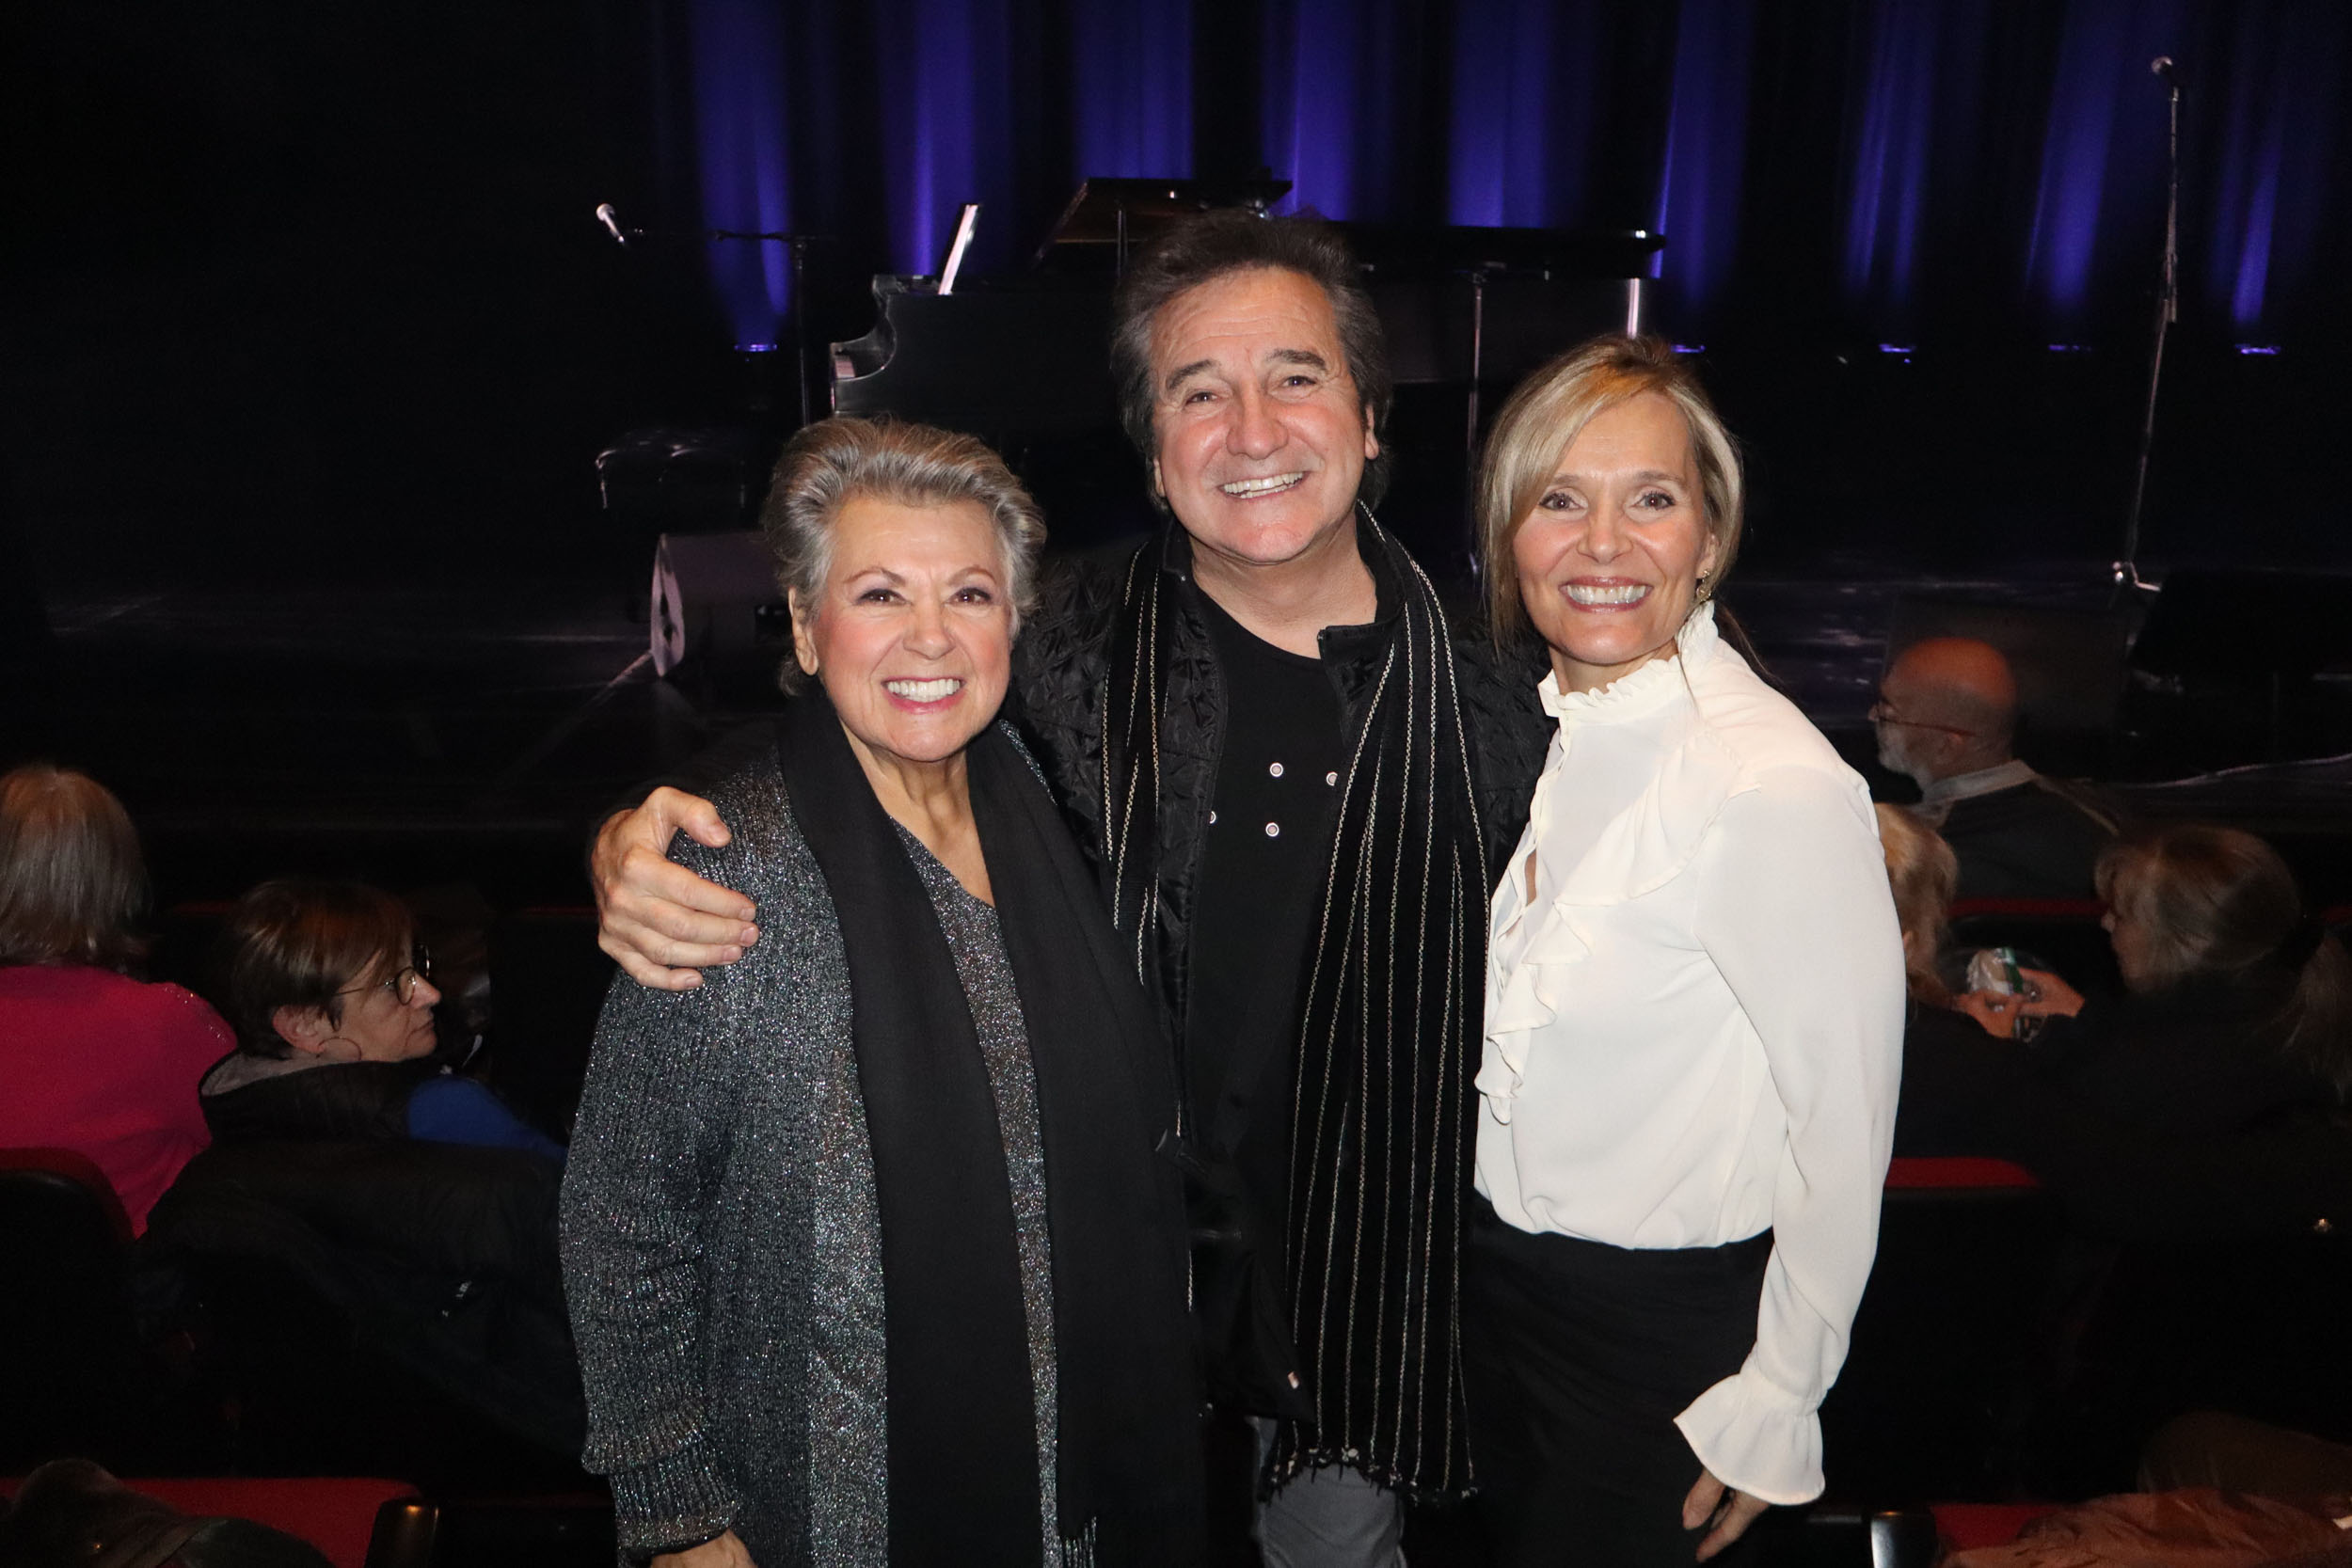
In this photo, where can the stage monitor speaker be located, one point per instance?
(716, 607)
(2069, 663)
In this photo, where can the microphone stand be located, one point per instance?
(2126, 570)
(800, 244)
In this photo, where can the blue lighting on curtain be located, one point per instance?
(2275, 125)
(1524, 91)
(1349, 147)
(1887, 161)
(1134, 90)
(1312, 65)
(947, 111)
(1698, 194)
(739, 73)
(2105, 109)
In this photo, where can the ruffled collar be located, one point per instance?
(1643, 689)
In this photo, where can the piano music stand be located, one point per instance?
(1123, 212)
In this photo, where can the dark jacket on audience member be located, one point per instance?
(341, 1099)
(442, 1256)
(2200, 1059)
(250, 1096)
(2169, 1118)
(2032, 840)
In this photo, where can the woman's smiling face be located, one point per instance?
(1609, 557)
(912, 633)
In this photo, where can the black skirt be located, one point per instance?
(1578, 1356)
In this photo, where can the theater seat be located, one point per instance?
(1967, 1526)
(67, 1351)
(1942, 1367)
(337, 1514)
(1956, 1173)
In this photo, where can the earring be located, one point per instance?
(1703, 589)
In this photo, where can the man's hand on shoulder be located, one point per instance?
(658, 920)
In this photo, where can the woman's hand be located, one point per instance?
(1729, 1509)
(2050, 995)
(725, 1552)
(1996, 1012)
(658, 920)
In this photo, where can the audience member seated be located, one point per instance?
(333, 1009)
(358, 1207)
(2238, 1011)
(90, 1059)
(1964, 1087)
(1947, 716)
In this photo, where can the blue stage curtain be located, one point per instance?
(1893, 170)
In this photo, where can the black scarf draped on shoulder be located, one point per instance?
(961, 1416)
(1391, 1017)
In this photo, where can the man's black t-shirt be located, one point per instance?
(1262, 871)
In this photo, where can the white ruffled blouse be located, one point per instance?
(1695, 1026)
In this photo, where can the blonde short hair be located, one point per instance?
(1923, 874)
(1543, 418)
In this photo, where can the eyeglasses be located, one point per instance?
(402, 984)
(1882, 714)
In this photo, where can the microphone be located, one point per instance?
(2161, 66)
(604, 215)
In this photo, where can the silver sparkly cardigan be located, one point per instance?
(735, 1363)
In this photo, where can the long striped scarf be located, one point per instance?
(1383, 1114)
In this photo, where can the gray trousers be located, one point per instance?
(1328, 1518)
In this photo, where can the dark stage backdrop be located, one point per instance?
(1901, 170)
(318, 286)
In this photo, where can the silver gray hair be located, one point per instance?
(912, 465)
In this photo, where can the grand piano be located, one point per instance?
(1021, 361)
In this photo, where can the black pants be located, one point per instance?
(1578, 1358)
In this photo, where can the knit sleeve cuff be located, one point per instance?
(1760, 1439)
(678, 1495)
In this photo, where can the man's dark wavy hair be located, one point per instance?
(1203, 249)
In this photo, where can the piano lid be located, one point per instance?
(1114, 212)
(1428, 251)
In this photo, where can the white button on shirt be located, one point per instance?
(1694, 1026)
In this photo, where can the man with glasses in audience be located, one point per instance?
(1946, 717)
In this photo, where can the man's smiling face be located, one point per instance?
(1262, 435)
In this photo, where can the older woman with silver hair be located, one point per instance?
(1694, 1010)
(869, 1255)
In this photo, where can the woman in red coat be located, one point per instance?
(90, 1059)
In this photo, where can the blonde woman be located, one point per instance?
(1694, 1010)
